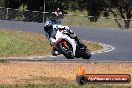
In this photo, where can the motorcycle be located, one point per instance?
(68, 46)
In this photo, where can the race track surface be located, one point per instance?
(121, 40)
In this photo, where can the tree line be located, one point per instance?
(119, 8)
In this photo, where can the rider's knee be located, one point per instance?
(73, 36)
(71, 31)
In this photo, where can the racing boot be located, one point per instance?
(72, 34)
(79, 42)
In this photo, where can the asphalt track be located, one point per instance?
(120, 40)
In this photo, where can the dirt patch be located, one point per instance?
(55, 72)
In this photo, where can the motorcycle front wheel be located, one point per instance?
(66, 51)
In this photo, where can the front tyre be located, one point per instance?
(86, 54)
(66, 52)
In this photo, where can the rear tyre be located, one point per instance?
(86, 54)
(66, 53)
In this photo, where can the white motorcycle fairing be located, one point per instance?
(59, 36)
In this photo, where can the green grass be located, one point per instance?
(13, 43)
(84, 21)
(4, 61)
(92, 46)
(62, 86)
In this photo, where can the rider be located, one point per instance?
(51, 32)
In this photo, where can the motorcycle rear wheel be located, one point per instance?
(86, 54)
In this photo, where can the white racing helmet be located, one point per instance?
(48, 25)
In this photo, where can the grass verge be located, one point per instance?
(85, 21)
(73, 19)
(14, 43)
(62, 86)
(4, 61)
